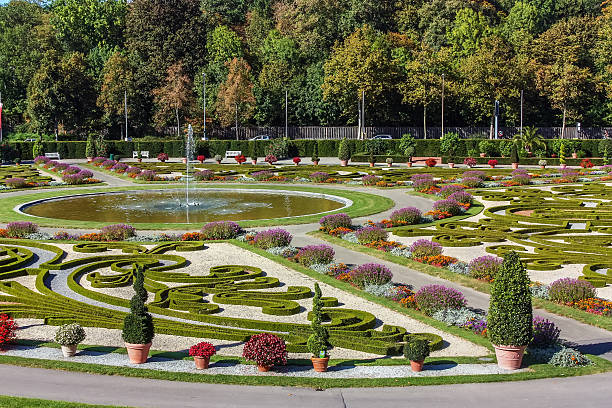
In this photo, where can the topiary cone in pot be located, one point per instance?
(138, 328)
(510, 318)
(318, 342)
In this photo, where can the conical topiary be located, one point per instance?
(138, 325)
(344, 150)
(318, 342)
(514, 158)
(509, 321)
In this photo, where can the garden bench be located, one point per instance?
(230, 154)
(54, 155)
(423, 159)
(143, 154)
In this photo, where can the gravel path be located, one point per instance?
(187, 366)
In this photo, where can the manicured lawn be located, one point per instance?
(18, 402)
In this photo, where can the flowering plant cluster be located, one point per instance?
(315, 254)
(117, 232)
(569, 290)
(203, 349)
(162, 157)
(479, 174)
(64, 236)
(220, 230)
(333, 221)
(319, 177)
(371, 234)
(423, 247)
(297, 160)
(586, 164)
(20, 229)
(117, 168)
(436, 260)
(462, 197)
(447, 190)
(385, 246)
(422, 182)
(471, 182)
(191, 236)
(449, 206)
(485, 267)
(521, 177)
(70, 334)
(8, 327)
(432, 298)
(545, 332)
(594, 305)
(82, 177)
(431, 162)
(340, 231)
(270, 159)
(262, 175)
(492, 162)
(370, 274)
(478, 326)
(147, 175)
(370, 180)
(406, 216)
(15, 182)
(470, 162)
(201, 158)
(266, 350)
(271, 238)
(203, 175)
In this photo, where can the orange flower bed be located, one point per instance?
(383, 245)
(191, 236)
(596, 306)
(437, 260)
(92, 236)
(338, 231)
(439, 215)
(4, 233)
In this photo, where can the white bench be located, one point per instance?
(54, 155)
(143, 154)
(230, 154)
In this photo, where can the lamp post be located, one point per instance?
(126, 114)
(521, 130)
(204, 101)
(286, 116)
(442, 105)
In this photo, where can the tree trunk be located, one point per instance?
(563, 127)
(424, 121)
(178, 124)
(237, 122)
(491, 128)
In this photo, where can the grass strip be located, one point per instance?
(19, 402)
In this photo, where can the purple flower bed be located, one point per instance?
(133, 170)
(99, 160)
(19, 229)
(333, 221)
(422, 182)
(485, 267)
(521, 178)
(64, 236)
(370, 180)
(272, 238)
(262, 175)
(59, 166)
(371, 234)
(545, 332)
(568, 290)
(607, 168)
(41, 159)
(73, 179)
(474, 173)
(15, 182)
(107, 164)
(71, 170)
(423, 247)
(446, 191)
(570, 175)
(432, 298)
(117, 232)
(85, 174)
(220, 230)
(119, 167)
(450, 206)
(315, 254)
(462, 197)
(148, 175)
(319, 177)
(203, 175)
(477, 326)
(471, 182)
(370, 274)
(408, 215)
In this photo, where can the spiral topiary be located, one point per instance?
(318, 342)
(138, 325)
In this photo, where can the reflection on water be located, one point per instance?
(168, 207)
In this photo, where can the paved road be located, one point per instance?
(592, 391)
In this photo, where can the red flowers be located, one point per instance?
(7, 330)
(492, 162)
(201, 158)
(297, 160)
(240, 159)
(203, 349)
(266, 350)
(431, 162)
(586, 164)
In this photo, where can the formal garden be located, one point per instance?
(253, 298)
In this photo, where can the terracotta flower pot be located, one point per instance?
(184, 160)
(542, 167)
(139, 160)
(315, 162)
(417, 366)
(509, 357)
(89, 159)
(492, 166)
(263, 368)
(408, 164)
(201, 363)
(343, 163)
(320, 364)
(563, 166)
(451, 165)
(254, 162)
(70, 350)
(218, 161)
(574, 155)
(372, 164)
(515, 166)
(138, 353)
(483, 155)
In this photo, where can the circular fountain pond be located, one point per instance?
(169, 206)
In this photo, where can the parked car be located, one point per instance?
(261, 137)
(382, 137)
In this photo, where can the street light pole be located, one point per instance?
(363, 112)
(0, 116)
(286, 116)
(126, 115)
(521, 113)
(442, 105)
(204, 99)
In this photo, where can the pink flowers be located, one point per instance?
(370, 274)
(7, 330)
(203, 349)
(432, 298)
(266, 350)
(315, 254)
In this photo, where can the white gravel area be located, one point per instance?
(187, 366)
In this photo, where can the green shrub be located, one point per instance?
(510, 318)
(70, 334)
(417, 349)
(407, 145)
(37, 148)
(449, 144)
(90, 149)
(344, 151)
(318, 342)
(138, 325)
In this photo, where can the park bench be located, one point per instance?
(416, 160)
(143, 154)
(53, 155)
(230, 154)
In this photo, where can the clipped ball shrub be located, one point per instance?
(432, 298)
(417, 349)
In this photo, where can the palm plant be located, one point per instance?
(530, 140)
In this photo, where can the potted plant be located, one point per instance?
(492, 163)
(201, 354)
(297, 161)
(448, 145)
(162, 157)
(389, 161)
(271, 159)
(90, 148)
(201, 158)
(372, 159)
(431, 162)
(69, 336)
(318, 342)
(266, 350)
(315, 154)
(562, 156)
(218, 158)
(416, 350)
(101, 147)
(470, 162)
(17, 161)
(407, 145)
(37, 148)
(451, 161)
(509, 322)
(184, 160)
(542, 163)
(138, 328)
(240, 159)
(253, 152)
(344, 152)
(514, 157)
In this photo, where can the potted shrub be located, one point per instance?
(162, 157)
(431, 162)
(266, 350)
(318, 342)
(372, 159)
(416, 350)
(201, 354)
(139, 156)
(253, 152)
(315, 154)
(297, 161)
(8, 327)
(449, 145)
(69, 336)
(138, 328)
(271, 159)
(389, 161)
(562, 156)
(509, 322)
(90, 148)
(17, 161)
(344, 152)
(201, 158)
(218, 158)
(542, 163)
(407, 145)
(514, 157)
(240, 159)
(492, 163)
(470, 162)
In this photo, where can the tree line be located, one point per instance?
(71, 64)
